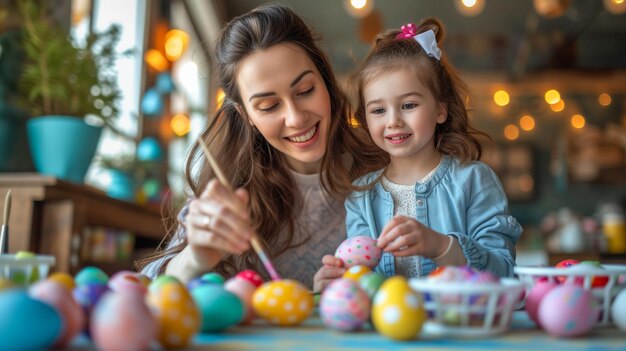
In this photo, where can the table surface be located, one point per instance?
(313, 335)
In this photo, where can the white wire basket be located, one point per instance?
(467, 309)
(584, 275)
(25, 270)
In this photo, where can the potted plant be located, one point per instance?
(124, 172)
(62, 85)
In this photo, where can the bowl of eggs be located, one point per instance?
(24, 268)
(602, 282)
(460, 301)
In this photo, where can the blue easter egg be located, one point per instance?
(164, 83)
(26, 323)
(219, 308)
(91, 275)
(152, 103)
(149, 149)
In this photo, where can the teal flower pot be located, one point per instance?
(62, 146)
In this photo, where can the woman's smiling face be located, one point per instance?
(286, 99)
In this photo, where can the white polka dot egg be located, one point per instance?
(397, 311)
(176, 313)
(283, 302)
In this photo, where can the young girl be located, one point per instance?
(434, 204)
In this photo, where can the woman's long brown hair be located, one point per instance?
(248, 160)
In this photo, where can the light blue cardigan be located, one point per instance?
(465, 201)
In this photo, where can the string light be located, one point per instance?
(577, 121)
(527, 123)
(558, 107)
(501, 98)
(552, 96)
(469, 8)
(176, 42)
(219, 98)
(180, 124)
(604, 99)
(155, 59)
(616, 7)
(358, 8)
(511, 132)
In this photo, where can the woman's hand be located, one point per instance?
(332, 269)
(217, 224)
(404, 236)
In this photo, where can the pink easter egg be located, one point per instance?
(567, 311)
(59, 297)
(359, 250)
(536, 294)
(127, 280)
(344, 305)
(122, 321)
(244, 289)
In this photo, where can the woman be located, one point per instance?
(284, 141)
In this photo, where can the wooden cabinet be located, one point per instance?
(48, 216)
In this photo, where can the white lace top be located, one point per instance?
(404, 203)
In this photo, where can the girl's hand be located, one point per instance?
(404, 236)
(218, 222)
(332, 269)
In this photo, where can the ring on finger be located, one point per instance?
(206, 222)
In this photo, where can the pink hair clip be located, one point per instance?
(407, 31)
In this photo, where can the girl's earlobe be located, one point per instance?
(442, 113)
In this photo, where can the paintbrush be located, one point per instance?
(4, 230)
(254, 241)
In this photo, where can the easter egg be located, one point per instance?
(122, 321)
(359, 250)
(162, 281)
(567, 311)
(251, 276)
(213, 277)
(356, 272)
(64, 279)
(596, 281)
(283, 302)
(91, 275)
(219, 308)
(397, 311)
(536, 294)
(370, 283)
(87, 296)
(618, 310)
(176, 314)
(26, 323)
(244, 289)
(58, 296)
(344, 305)
(127, 280)
(565, 264)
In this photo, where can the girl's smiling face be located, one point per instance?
(402, 114)
(286, 99)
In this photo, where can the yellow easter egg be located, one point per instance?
(397, 311)
(283, 302)
(356, 272)
(64, 279)
(177, 315)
